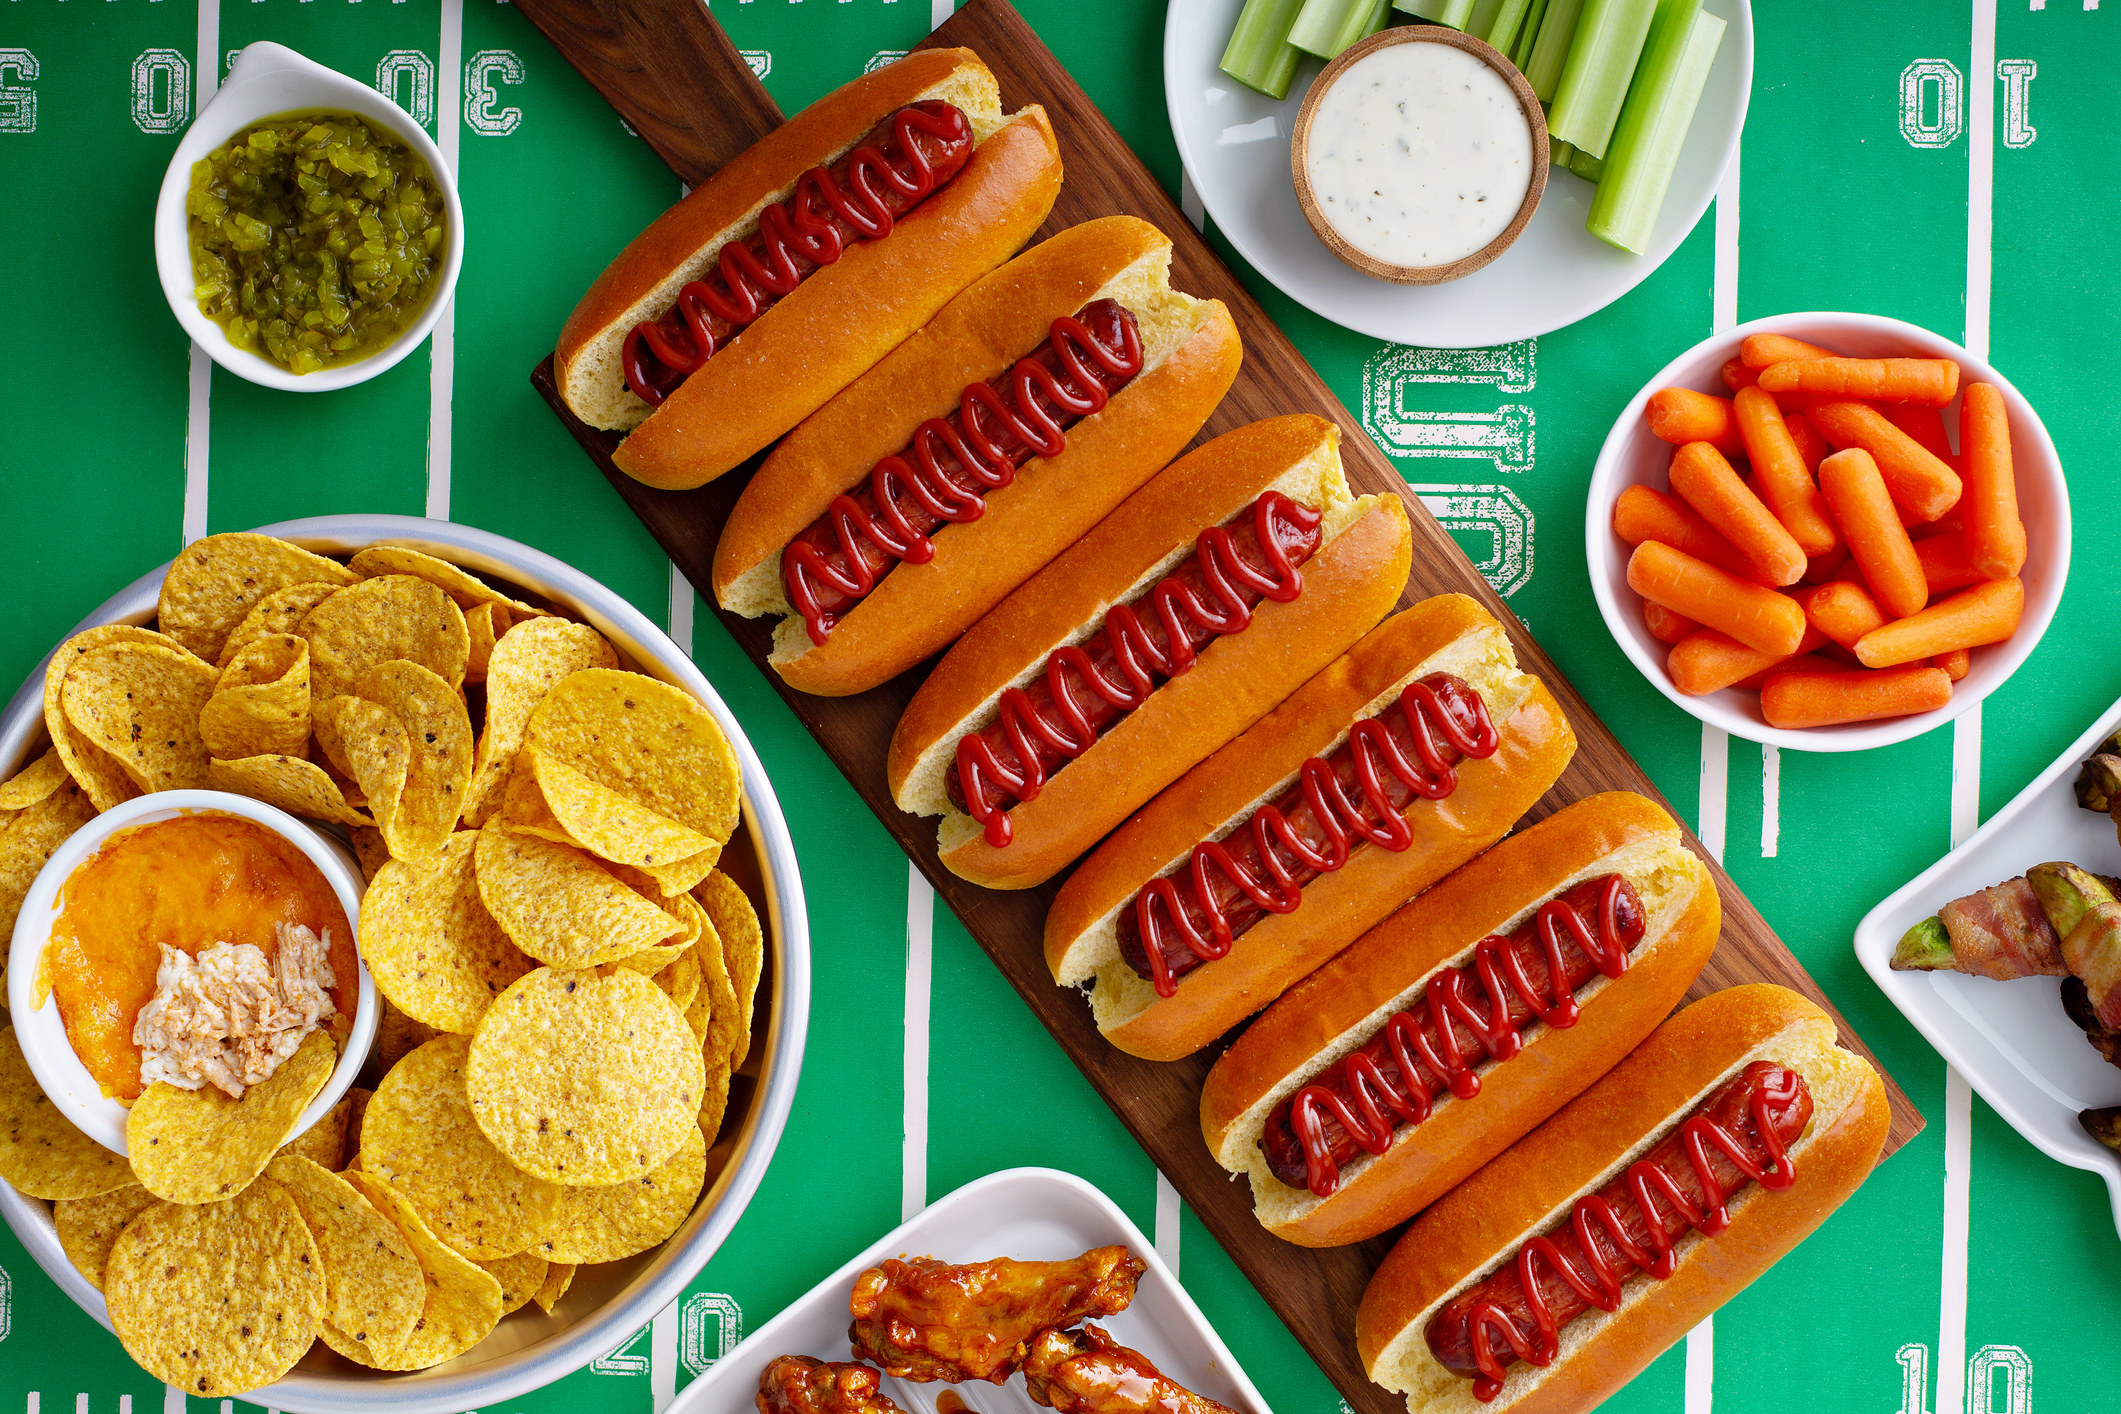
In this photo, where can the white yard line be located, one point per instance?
(940, 10)
(663, 1357)
(1167, 1222)
(681, 602)
(1715, 789)
(1770, 801)
(198, 422)
(920, 972)
(1701, 1367)
(1958, 1197)
(442, 345)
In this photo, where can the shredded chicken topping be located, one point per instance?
(228, 1017)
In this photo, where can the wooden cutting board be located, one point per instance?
(672, 73)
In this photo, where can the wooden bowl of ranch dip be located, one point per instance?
(1419, 155)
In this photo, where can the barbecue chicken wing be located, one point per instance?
(1088, 1372)
(928, 1320)
(797, 1384)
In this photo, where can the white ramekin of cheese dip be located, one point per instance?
(1419, 155)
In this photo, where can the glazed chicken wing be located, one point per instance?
(797, 1384)
(1087, 1372)
(928, 1320)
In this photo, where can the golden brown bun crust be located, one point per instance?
(1430, 1158)
(1499, 1206)
(1001, 317)
(916, 610)
(845, 317)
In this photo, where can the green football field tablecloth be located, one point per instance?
(1969, 1274)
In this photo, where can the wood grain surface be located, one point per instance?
(666, 67)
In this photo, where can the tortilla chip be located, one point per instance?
(605, 1224)
(420, 1138)
(469, 591)
(585, 1078)
(199, 1146)
(28, 841)
(613, 826)
(398, 1035)
(41, 1153)
(528, 661)
(140, 704)
(680, 981)
(373, 1285)
(648, 741)
(378, 620)
(260, 705)
(368, 847)
(743, 945)
(558, 1277)
(89, 1227)
(34, 782)
(214, 584)
(288, 782)
(281, 611)
(485, 623)
(726, 1026)
(356, 1111)
(324, 1143)
(714, 1102)
(92, 768)
(521, 1277)
(559, 905)
(437, 730)
(463, 1300)
(430, 944)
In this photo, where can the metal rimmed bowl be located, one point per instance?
(607, 1303)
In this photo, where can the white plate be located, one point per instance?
(2010, 1039)
(1235, 144)
(1031, 1214)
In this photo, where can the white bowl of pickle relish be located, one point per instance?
(272, 81)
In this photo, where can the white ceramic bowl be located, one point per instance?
(268, 79)
(1632, 456)
(41, 1030)
(608, 1304)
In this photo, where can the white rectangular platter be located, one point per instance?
(1031, 1214)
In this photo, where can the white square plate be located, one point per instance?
(2010, 1039)
(1031, 1214)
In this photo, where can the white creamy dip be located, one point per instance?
(1419, 154)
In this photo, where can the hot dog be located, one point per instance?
(1182, 618)
(1693, 1166)
(807, 258)
(1409, 754)
(912, 503)
(1439, 1038)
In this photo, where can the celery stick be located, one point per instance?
(1653, 125)
(1528, 34)
(1542, 68)
(1454, 13)
(1502, 29)
(1260, 55)
(1483, 16)
(1584, 165)
(1594, 82)
(1559, 153)
(1379, 17)
(1325, 27)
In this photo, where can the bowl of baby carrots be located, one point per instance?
(1828, 532)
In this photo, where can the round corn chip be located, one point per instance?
(292, 784)
(527, 662)
(438, 733)
(41, 1153)
(558, 1277)
(430, 944)
(89, 1227)
(140, 703)
(31, 835)
(92, 768)
(368, 847)
(356, 1111)
(743, 945)
(281, 611)
(605, 1224)
(260, 706)
(485, 623)
(520, 1276)
(373, 1285)
(463, 1300)
(680, 981)
(420, 1138)
(647, 741)
(199, 1146)
(559, 905)
(377, 620)
(585, 1077)
(398, 1035)
(34, 782)
(611, 825)
(368, 743)
(217, 1298)
(714, 1102)
(718, 993)
(324, 1143)
(685, 874)
(215, 583)
(468, 590)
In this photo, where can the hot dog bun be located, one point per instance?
(1532, 1186)
(1190, 357)
(1346, 1002)
(1348, 585)
(841, 319)
(1447, 634)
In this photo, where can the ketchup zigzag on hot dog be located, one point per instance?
(1406, 756)
(1187, 614)
(1352, 1108)
(804, 260)
(1021, 415)
(1556, 1273)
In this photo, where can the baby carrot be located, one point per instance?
(1856, 494)
(1995, 536)
(1680, 415)
(1802, 663)
(1926, 426)
(1705, 481)
(1707, 661)
(1945, 565)
(1843, 612)
(1987, 613)
(1924, 529)
(1736, 375)
(1664, 625)
(1828, 699)
(1767, 350)
(1930, 381)
(1925, 487)
(1780, 474)
(1820, 568)
(1756, 616)
(1645, 513)
(1956, 664)
(1810, 445)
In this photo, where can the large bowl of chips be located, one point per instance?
(566, 888)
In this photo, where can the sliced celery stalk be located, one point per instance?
(1325, 27)
(1594, 83)
(1528, 34)
(1259, 54)
(1653, 125)
(1542, 68)
(1483, 17)
(1502, 27)
(1559, 153)
(1380, 16)
(1455, 13)
(1584, 165)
